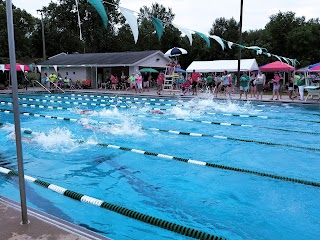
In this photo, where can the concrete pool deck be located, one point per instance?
(42, 226)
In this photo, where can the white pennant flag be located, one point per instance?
(230, 44)
(55, 68)
(132, 21)
(218, 39)
(39, 68)
(186, 31)
(22, 67)
(2, 67)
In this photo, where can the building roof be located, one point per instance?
(100, 59)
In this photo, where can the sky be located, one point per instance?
(200, 15)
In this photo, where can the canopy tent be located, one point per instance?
(223, 65)
(19, 67)
(276, 66)
(314, 68)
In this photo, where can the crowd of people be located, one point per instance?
(252, 84)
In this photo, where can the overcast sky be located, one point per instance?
(199, 15)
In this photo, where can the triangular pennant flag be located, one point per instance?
(204, 37)
(286, 60)
(55, 68)
(132, 20)
(22, 67)
(158, 26)
(230, 44)
(185, 31)
(47, 67)
(277, 57)
(97, 4)
(31, 67)
(39, 68)
(218, 39)
(2, 67)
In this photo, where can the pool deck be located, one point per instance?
(41, 225)
(44, 226)
(153, 92)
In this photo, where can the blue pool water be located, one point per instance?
(280, 139)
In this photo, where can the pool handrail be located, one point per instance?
(33, 81)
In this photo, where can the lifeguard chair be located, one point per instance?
(171, 78)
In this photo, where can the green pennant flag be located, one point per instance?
(158, 26)
(97, 4)
(204, 37)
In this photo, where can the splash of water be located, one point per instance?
(57, 140)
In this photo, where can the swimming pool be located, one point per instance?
(215, 166)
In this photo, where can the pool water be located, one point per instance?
(278, 139)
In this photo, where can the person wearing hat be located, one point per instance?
(25, 79)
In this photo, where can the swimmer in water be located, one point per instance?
(86, 112)
(156, 111)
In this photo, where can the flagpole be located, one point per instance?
(13, 70)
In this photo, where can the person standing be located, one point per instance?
(301, 84)
(226, 78)
(253, 85)
(25, 80)
(160, 81)
(244, 84)
(260, 82)
(113, 82)
(234, 82)
(276, 86)
(132, 80)
(195, 76)
(139, 82)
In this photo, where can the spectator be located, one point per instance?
(25, 80)
(276, 86)
(244, 84)
(160, 81)
(260, 82)
(139, 82)
(253, 85)
(195, 77)
(301, 84)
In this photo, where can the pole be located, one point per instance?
(240, 40)
(13, 69)
(43, 37)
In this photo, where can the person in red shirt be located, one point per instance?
(113, 82)
(160, 81)
(195, 77)
(186, 86)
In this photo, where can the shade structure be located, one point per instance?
(19, 67)
(276, 66)
(175, 52)
(148, 70)
(315, 68)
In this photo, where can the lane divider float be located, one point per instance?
(177, 228)
(202, 163)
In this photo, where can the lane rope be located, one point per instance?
(175, 119)
(176, 132)
(202, 163)
(177, 228)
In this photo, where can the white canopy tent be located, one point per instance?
(222, 65)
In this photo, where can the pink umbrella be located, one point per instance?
(19, 67)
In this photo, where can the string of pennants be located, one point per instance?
(132, 19)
